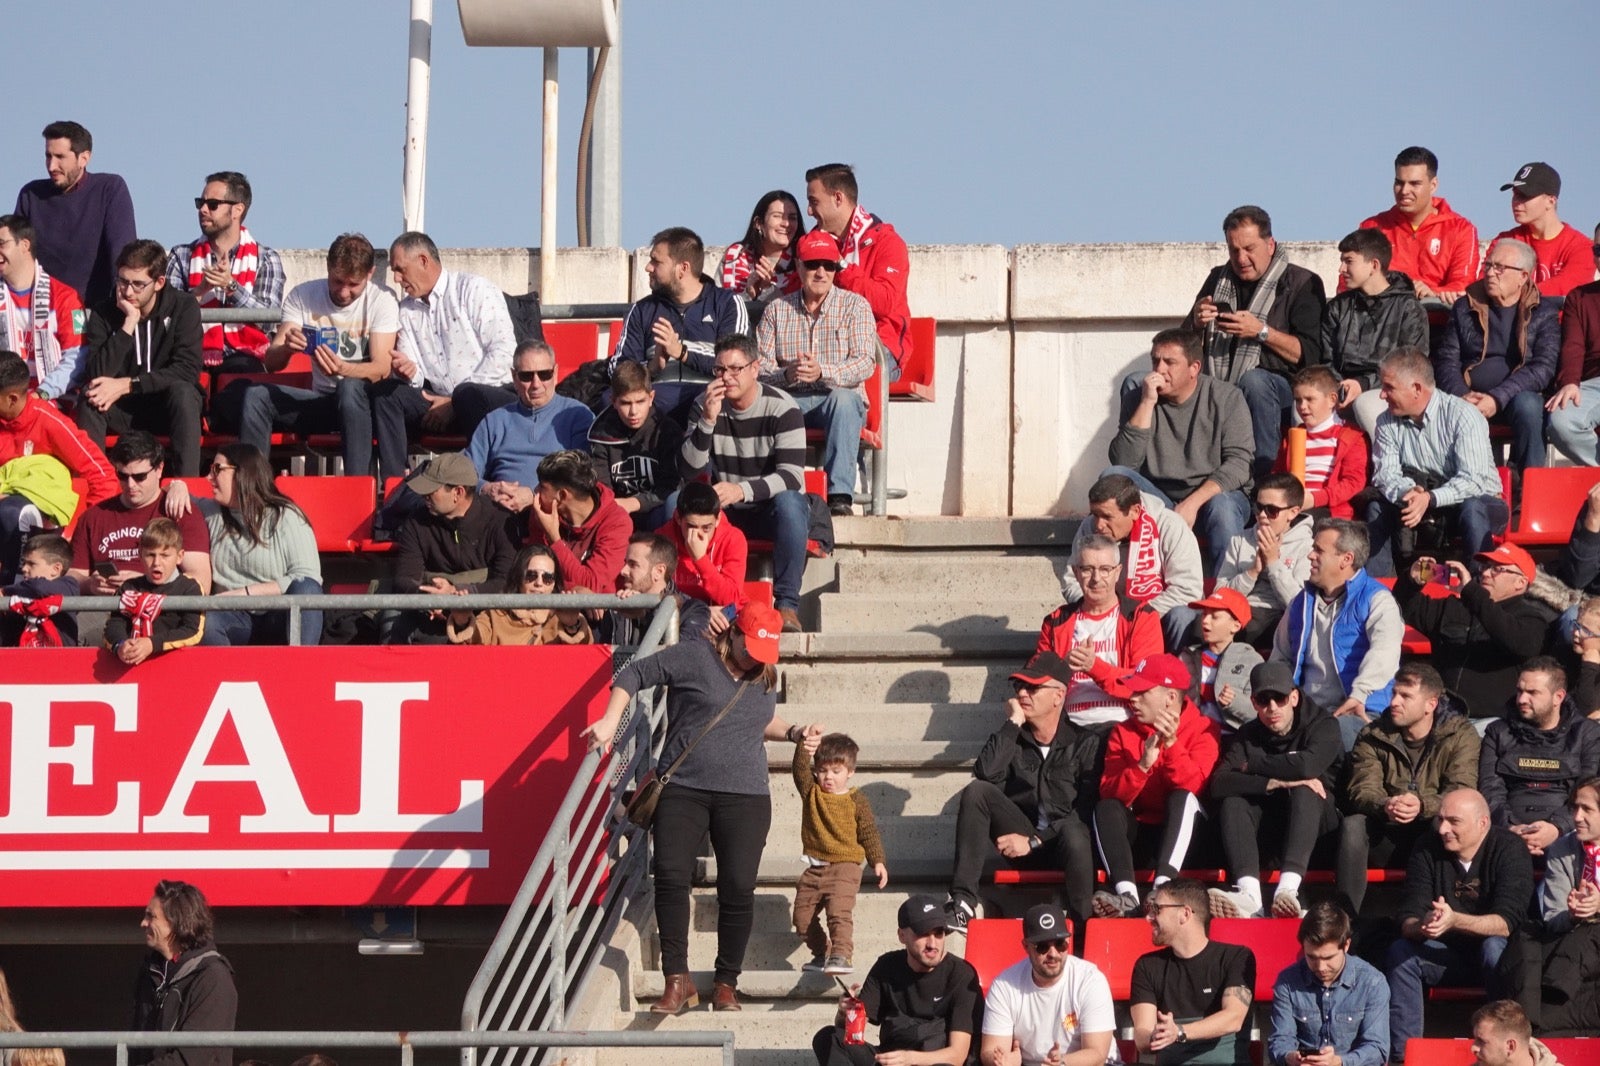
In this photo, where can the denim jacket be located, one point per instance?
(1354, 1013)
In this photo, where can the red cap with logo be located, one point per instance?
(760, 625)
(818, 244)
(1158, 671)
(1509, 554)
(1225, 599)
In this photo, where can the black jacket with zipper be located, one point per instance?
(191, 993)
(163, 351)
(1042, 783)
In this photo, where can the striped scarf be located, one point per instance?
(1227, 358)
(1145, 581)
(38, 627)
(1591, 864)
(142, 609)
(850, 243)
(234, 336)
(44, 352)
(739, 261)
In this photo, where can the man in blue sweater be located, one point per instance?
(510, 442)
(83, 219)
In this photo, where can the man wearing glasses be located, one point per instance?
(1190, 1000)
(142, 359)
(818, 345)
(1575, 407)
(511, 442)
(1501, 347)
(226, 267)
(1467, 892)
(1051, 1007)
(105, 544)
(749, 440)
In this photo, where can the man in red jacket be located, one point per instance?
(875, 259)
(1432, 245)
(1157, 764)
(1563, 252)
(578, 519)
(711, 550)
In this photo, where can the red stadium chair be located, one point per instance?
(992, 945)
(1551, 497)
(1275, 942)
(1573, 1050)
(1440, 1052)
(916, 371)
(1114, 945)
(574, 343)
(340, 509)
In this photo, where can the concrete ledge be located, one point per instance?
(953, 531)
(908, 755)
(804, 647)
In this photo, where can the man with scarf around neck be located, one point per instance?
(1274, 326)
(227, 268)
(142, 359)
(876, 262)
(41, 318)
(185, 984)
(1341, 635)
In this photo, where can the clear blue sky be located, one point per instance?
(1002, 122)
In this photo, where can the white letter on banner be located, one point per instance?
(381, 704)
(266, 765)
(32, 755)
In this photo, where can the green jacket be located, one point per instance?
(1380, 764)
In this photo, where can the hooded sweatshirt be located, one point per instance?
(1310, 750)
(1279, 582)
(641, 463)
(194, 991)
(1186, 765)
(589, 556)
(718, 576)
(1525, 772)
(1441, 252)
(163, 351)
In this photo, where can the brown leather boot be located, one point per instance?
(679, 994)
(723, 997)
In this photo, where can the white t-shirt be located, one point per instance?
(374, 311)
(1087, 702)
(1039, 1018)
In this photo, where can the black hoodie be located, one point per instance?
(163, 351)
(1255, 755)
(1525, 772)
(193, 992)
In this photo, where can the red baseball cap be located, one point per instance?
(1224, 599)
(1509, 554)
(760, 625)
(1158, 671)
(818, 244)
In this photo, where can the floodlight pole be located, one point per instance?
(547, 191)
(419, 79)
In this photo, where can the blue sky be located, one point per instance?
(999, 122)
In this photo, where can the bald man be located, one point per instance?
(1467, 889)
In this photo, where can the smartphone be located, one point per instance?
(1343, 396)
(106, 568)
(844, 987)
(1223, 307)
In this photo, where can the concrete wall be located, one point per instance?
(1032, 343)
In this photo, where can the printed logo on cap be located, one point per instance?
(1524, 172)
(763, 634)
(1047, 921)
(926, 907)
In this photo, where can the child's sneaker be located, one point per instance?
(816, 965)
(837, 964)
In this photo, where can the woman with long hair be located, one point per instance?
(261, 545)
(533, 571)
(720, 787)
(762, 265)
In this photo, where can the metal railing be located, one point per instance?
(406, 1043)
(576, 889)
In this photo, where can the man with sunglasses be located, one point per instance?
(109, 531)
(142, 359)
(1574, 408)
(1466, 894)
(1189, 1000)
(819, 346)
(1051, 1007)
(226, 267)
(511, 442)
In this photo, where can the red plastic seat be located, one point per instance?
(1437, 1051)
(1573, 1050)
(992, 945)
(1551, 497)
(916, 369)
(574, 343)
(1114, 945)
(1275, 942)
(340, 509)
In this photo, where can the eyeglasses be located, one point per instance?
(1583, 632)
(729, 371)
(526, 376)
(1060, 944)
(134, 284)
(1098, 571)
(1271, 510)
(135, 477)
(218, 468)
(824, 264)
(539, 577)
(1503, 568)
(211, 205)
(1501, 268)
(1030, 686)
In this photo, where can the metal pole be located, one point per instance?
(547, 192)
(419, 79)
(605, 152)
(294, 624)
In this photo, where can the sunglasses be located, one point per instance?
(1060, 944)
(212, 205)
(539, 577)
(135, 477)
(526, 376)
(826, 264)
(1271, 510)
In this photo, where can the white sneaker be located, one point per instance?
(1287, 905)
(1114, 904)
(1233, 903)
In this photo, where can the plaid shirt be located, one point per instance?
(266, 292)
(842, 335)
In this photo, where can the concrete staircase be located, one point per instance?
(921, 621)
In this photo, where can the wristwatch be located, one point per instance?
(1183, 1037)
(1262, 336)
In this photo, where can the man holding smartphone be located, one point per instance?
(1329, 1008)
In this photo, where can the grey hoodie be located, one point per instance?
(1283, 580)
(1180, 559)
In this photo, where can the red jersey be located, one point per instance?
(1565, 260)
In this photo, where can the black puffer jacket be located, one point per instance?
(1525, 772)
(191, 993)
(1046, 784)
(1358, 330)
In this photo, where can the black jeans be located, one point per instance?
(738, 826)
(831, 1050)
(172, 412)
(1295, 817)
(1115, 830)
(397, 411)
(1367, 843)
(986, 814)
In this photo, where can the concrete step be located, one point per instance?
(866, 683)
(996, 612)
(773, 943)
(952, 532)
(894, 796)
(967, 723)
(950, 575)
(927, 871)
(767, 1032)
(902, 646)
(886, 755)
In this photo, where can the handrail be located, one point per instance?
(540, 963)
(550, 312)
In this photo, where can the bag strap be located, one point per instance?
(684, 754)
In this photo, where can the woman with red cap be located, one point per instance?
(720, 787)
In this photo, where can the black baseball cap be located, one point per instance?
(1535, 179)
(922, 914)
(1046, 921)
(1271, 678)
(1044, 667)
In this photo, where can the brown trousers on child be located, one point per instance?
(832, 888)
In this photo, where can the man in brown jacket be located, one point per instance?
(1400, 767)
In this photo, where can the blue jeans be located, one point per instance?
(1350, 726)
(346, 411)
(1477, 521)
(785, 520)
(841, 414)
(1412, 966)
(1219, 520)
(1525, 415)
(1572, 428)
(239, 628)
(1270, 400)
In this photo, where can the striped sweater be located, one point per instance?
(762, 447)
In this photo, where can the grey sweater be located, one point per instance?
(1208, 436)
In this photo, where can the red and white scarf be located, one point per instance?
(31, 335)
(850, 243)
(1145, 580)
(38, 627)
(142, 609)
(236, 336)
(739, 261)
(1591, 864)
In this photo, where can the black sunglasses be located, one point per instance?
(212, 205)
(135, 477)
(526, 376)
(539, 577)
(826, 264)
(1270, 510)
(1060, 943)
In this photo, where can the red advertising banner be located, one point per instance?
(287, 776)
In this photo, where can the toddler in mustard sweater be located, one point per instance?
(838, 833)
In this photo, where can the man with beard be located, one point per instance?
(1190, 1001)
(1051, 1007)
(86, 219)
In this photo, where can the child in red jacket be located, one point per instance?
(1157, 765)
(1336, 453)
